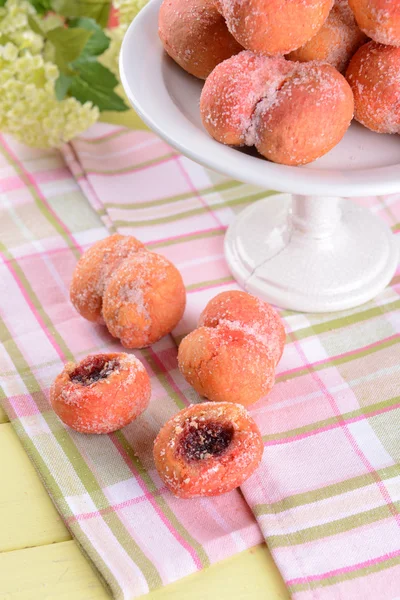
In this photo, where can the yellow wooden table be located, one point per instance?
(40, 561)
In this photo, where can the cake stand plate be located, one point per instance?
(313, 250)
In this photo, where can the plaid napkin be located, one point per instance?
(327, 495)
(106, 487)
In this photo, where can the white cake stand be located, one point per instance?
(310, 251)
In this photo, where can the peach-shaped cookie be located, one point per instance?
(309, 116)
(225, 364)
(249, 314)
(207, 450)
(292, 112)
(337, 40)
(195, 35)
(232, 92)
(102, 393)
(379, 19)
(373, 75)
(144, 300)
(274, 27)
(93, 270)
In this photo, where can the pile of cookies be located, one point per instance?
(207, 449)
(288, 77)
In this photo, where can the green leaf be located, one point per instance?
(34, 25)
(62, 86)
(104, 100)
(95, 72)
(98, 41)
(3, 2)
(68, 45)
(98, 10)
(95, 83)
(41, 6)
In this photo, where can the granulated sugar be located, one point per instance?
(374, 75)
(336, 41)
(274, 27)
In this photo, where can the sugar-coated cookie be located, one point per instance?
(195, 35)
(373, 75)
(207, 449)
(102, 393)
(337, 40)
(271, 26)
(293, 113)
(93, 270)
(144, 300)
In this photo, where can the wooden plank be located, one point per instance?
(28, 518)
(250, 575)
(55, 572)
(27, 515)
(60, 571)
(3, 416)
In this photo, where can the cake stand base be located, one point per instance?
(311, 253)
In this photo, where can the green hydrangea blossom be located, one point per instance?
(127, 11)
(14, 26)
(29, 109)
(110, 57)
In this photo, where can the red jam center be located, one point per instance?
(204, 440)
(94, 369)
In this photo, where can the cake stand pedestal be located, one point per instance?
(311, 253)
(313, 250)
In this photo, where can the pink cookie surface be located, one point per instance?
(379, 19)
(337, 40)
(195, 35)
(274, 27)
(102, 393)
(373, 75)
(292, 112)
(207, 449)
(239, 310)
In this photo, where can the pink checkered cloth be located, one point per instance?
(106, 487)
(327, 494)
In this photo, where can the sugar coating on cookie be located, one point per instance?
(242, 311)
(337, 40)
(233, 91)
(144, 300)
(102, 393)
(273, 27)
(309, 116)
(379, 19)
(137, 294)
(207, 449)
(93, 271)
(195, 35)
(225, 364)
(292, 112)
(373, 75)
